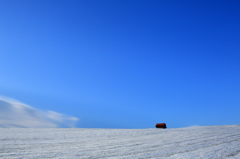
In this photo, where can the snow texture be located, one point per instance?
(191, 142)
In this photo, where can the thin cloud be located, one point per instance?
(16, 114)
(195, 126)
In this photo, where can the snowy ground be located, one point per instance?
(192, 142)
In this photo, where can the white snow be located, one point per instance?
(191, 142)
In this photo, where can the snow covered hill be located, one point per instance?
(191, 142)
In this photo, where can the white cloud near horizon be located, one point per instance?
(16, 114)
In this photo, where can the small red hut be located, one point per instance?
(161, 125)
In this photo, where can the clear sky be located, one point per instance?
(124, 64)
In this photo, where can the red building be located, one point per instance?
(161, 125)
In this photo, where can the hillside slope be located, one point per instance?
(191, 142)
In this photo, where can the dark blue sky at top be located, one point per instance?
(124, 64)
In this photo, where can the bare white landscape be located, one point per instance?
(191, 142)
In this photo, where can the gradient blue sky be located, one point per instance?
(124, 64)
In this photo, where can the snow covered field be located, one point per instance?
(191, 142)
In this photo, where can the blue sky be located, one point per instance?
(124, 64)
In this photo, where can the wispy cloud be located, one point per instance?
(194, 126)
(16, 114)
